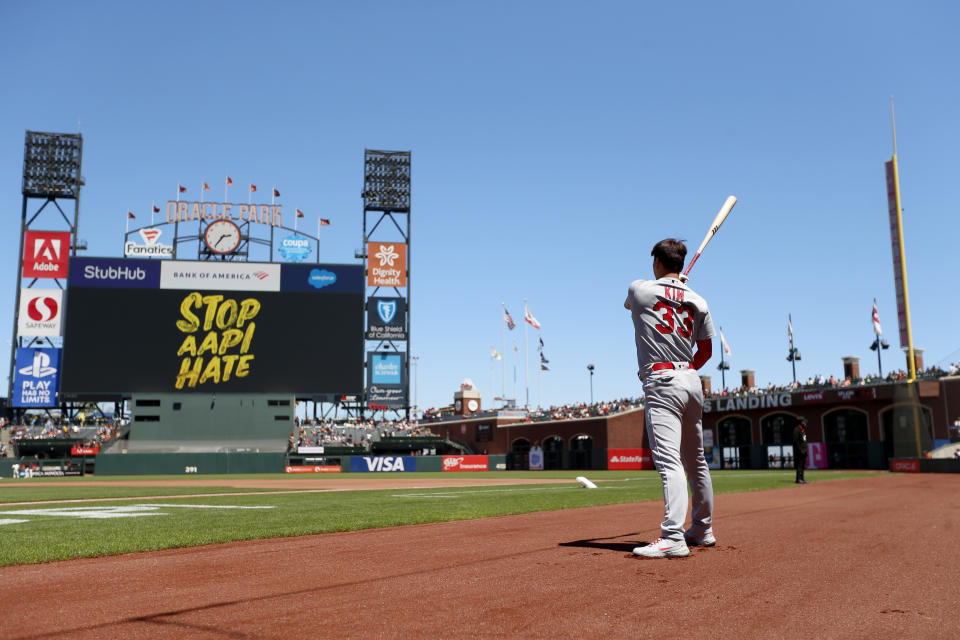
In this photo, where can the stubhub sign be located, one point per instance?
(366, 464)
(114, 272)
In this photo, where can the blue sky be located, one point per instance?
(553, 144)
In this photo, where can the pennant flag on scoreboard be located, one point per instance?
(324, 222)
(181, 188)
(876, 319)
(131, 216)
(206, 187)
(276, 194)
(299, 213)
(508, 319)
(541, 343)
(723, 341)
(544, 367)
(229, 181)
(253, 187)
(516, 349)
(495, 354)
(156, 209)
(529, 317)
(543, 359)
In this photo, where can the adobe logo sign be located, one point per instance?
(40, 312)
(45, 254)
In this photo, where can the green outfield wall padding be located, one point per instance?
(495, 460)
(429, 463)
(188, 463)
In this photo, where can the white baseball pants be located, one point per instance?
(674, 405)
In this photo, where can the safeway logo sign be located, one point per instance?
(46, 254)
(41, 311)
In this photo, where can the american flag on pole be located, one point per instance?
(790, 329)
(508, 319)
(876, 319)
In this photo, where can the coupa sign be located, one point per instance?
(370, 464)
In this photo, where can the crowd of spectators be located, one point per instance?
(352, 433)
(820, 381)
(584, 410)
(89, 432)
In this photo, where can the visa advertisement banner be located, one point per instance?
(630, 459)
(36, 377)
(379, 464)
(46, 254)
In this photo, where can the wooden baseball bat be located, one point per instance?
(721, 216)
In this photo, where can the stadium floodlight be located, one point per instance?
(386, 180)
(51, 165)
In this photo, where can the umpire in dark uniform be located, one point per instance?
(800, 449)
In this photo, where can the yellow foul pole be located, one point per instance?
(911, 362)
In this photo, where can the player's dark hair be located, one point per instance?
(671, 253)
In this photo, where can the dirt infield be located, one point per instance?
(856, 558)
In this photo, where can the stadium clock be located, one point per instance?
(222, 236)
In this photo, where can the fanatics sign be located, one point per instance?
(45, 254)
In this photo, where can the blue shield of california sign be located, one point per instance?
(386, 319)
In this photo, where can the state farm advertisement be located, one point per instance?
(45, 254)
(629, 459)
(466, 463)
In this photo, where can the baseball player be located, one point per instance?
(669, 319)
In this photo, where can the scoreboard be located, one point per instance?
(207, 326)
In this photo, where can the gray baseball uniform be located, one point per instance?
(669, 318)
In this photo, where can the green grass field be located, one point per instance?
(64, 530)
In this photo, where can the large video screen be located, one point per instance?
(171, 326)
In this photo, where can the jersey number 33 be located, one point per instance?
(679, 320)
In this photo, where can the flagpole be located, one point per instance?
(153, 209)
(491, 375)
(178, 195)
(503, 363)
(273, 195)
(540, 378)
(526, 355)
(723, 369)
(296, 217)
(202, 184)
(226, 186)
(127, 232)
